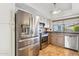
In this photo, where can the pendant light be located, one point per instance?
(55, 10)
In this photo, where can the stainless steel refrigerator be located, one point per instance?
(27, 34)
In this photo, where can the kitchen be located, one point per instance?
(43, 29)
(44, 32)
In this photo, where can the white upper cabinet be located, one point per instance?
(42, 20)
(45, 21)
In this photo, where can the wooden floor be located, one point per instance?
(53, 50)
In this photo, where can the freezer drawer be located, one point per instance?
(23, 52)
(71, 41)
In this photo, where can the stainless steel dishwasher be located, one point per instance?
(71, 41)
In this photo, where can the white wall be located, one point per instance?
(6, 29)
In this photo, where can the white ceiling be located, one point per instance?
(50, 6)
(46, 8)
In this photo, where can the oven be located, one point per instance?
(43, 41)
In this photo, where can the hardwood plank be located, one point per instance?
(53, 50)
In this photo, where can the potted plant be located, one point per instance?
(75, 28)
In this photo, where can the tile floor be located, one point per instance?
(53, 50)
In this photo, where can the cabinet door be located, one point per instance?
(54, 39)
(60, 40)
(49, 38)
(57, 39)
(26, 52)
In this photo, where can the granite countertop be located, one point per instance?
(63, 32)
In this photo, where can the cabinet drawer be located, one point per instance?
(36, 40)
(26, 52)
(24, 43)
(23, 52)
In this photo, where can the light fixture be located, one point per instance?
(55, 10)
